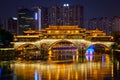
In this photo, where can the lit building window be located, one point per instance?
(76, 31)
(49, 31)
(68, 31)
(72, 32)
(57, 32)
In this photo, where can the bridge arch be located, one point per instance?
(62, 44)
(50, 46)
(99, 48)
(28, 46)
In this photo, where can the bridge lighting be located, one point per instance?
(36, 75)
(90, 50)
(89, 58)
(50, 52)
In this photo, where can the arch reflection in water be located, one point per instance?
(37, 76)
(62, 51)
(90, 50)
(80, 71)
(91, 55)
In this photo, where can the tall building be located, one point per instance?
(66, 15)
(115, 23)
(93, 23)
(1, 23)
(25, 20)
(40, 17)
(12, 25)
(102, 23)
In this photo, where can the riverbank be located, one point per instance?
(7, 54)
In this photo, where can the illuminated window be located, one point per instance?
(57, 32)
(49, 32)
(62, 36)
(53, 37)
(68, 31)
(76, 31)
(72, 32)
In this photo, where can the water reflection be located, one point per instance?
(88, 67)
(37, 76)
(6, 72)
(47, 71)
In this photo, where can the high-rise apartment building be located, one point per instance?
(102, 23)
(115, 24)
(92, 23)
(66, 15)
(12, 25)
(35, 18)
(1, 23)
(25, 20)
(40, 17)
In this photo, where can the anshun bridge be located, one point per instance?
(61, 38)
(58, 53)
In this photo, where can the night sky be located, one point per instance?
(92, 8)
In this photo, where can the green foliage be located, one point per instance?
(5, 38)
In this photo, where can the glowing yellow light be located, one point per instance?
(57, 32)
(76, 31)
(49, 31)
(68, 31)
(50, 52)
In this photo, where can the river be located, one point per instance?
(97, 67)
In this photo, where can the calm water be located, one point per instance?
(100, 67)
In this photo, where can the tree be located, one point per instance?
(5, 38)
(116, 36)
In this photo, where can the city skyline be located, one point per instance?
(92, 8)
(38, 18)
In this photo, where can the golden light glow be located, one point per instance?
(76, 31)
(50, 52)
(68, 31)
(56, 32)
(49, 32)
(63, 71)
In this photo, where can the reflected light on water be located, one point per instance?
(36, 75)
(90, 67)
(45, 71)
(89, 57)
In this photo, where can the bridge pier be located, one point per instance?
(43, 52)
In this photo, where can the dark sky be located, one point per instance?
(92, 8)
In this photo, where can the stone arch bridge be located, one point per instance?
(77, 42)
